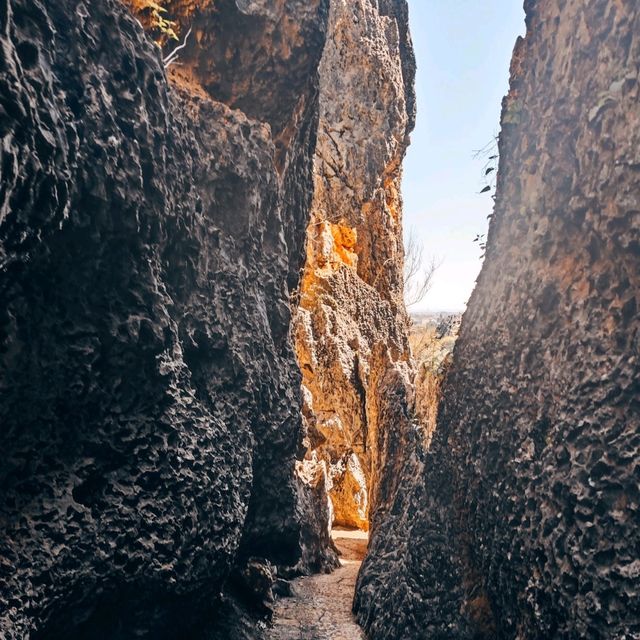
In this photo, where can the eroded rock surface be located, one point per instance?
(150, 403)
(524, 518)
(350, 333)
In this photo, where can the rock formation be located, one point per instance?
(351, 337)
(149, 237)
(524, 518)
(153, 226)
(169, 426)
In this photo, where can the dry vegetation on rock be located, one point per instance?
(431, 347)
(156, 19)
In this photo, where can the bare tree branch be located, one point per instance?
(418, 271)
(173, 56)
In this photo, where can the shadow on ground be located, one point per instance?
(320, 608)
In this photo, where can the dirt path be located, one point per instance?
(320, 608)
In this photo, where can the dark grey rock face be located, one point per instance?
(524, 520)
(150, 410)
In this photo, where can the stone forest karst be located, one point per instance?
(214, 420)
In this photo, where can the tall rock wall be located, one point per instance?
(524, 518)
(149, 236)
(351, 325)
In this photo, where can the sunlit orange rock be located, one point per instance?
(350, 327)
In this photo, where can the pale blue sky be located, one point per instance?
(463, 49)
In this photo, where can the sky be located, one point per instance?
(463, 49)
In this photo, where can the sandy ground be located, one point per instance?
(321, 606)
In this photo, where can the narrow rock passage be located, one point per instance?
(320, 608)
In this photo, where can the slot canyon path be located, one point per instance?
(320, 607)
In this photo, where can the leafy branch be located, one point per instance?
(155, 19)
(489, 154)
